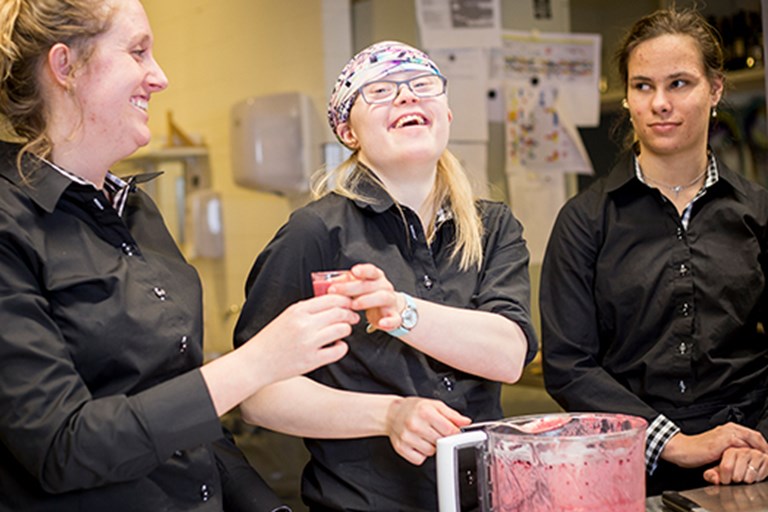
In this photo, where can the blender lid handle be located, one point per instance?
(448, 465)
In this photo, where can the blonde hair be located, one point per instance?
(451, 189)
(28, 29)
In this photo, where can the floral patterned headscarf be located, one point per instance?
(373, 63)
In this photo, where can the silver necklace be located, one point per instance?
(676, 189)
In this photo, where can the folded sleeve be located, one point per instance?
(505, 286)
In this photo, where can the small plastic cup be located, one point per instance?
(321, 281)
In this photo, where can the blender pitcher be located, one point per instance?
(555, 462)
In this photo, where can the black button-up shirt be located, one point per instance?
(102, 406)
(644, 316)
(337, 233)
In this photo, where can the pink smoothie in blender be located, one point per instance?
(587, 462)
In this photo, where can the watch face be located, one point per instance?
(410, 317)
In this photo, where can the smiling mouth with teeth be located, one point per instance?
(410, 120)
(140, 103)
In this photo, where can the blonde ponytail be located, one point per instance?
(453, 188)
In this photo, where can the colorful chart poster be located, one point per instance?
(551, 86)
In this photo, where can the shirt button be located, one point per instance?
(685, 309)
(427, 282)
(683, 269)
(682, 348)
(682, 386)
(448, 383)
(183, 344)
(159, 293)
(205, 492)
(128, 249)
(679, 233)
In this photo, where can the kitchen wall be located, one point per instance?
(215, 54)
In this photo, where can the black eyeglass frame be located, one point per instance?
(407, 83)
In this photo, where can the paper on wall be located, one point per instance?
(539, 134)
(474, 158)
(535, 199)
(568, 62)
(467, 72)
(473, 23)
(496, 113)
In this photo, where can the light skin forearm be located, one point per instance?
(740, 454)
(302, 407)
(303, 337)
(305, 408)
(697, 450)
(476, 342)
(231, 380)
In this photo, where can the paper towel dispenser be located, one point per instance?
(276, 142)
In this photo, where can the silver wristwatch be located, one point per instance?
(409, 317)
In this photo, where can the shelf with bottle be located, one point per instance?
(741, 35)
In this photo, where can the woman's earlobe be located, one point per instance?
(347, 136)
(60, 64)
(717, 90)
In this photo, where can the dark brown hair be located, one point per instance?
(671, 21)
(686, 22)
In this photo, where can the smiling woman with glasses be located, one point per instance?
(441, 277)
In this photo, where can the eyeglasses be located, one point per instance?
(384, 91)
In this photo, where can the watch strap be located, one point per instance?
(409, 304)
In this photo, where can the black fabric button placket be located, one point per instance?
(682, 276)
(130, 249)
(421, 252)
(205, 492)
(183, 344)
(160, 293)
(428, 288)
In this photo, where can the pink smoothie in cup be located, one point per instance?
(321, 281)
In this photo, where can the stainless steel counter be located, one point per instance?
(722, 498)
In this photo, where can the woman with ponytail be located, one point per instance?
(441, 277)
(654, 295)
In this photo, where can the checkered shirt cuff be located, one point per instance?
(657, 436)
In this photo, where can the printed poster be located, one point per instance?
(551, 87)
(459, 23)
